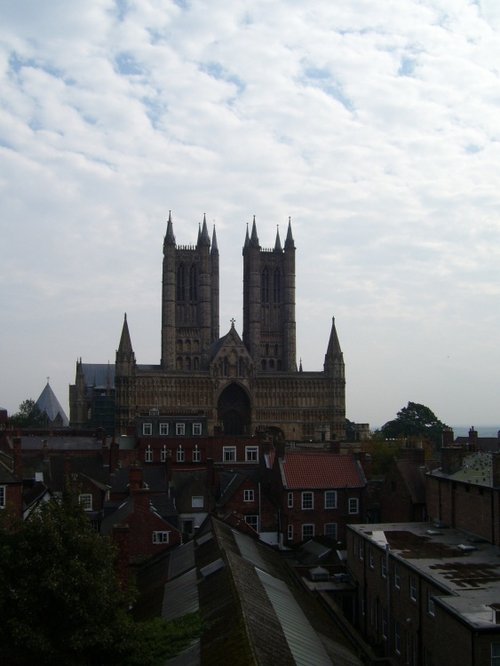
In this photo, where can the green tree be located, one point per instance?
(29, 415)
(61, 603)
(415, 421)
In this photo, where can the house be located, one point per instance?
(137, 526)
(320, 493)
(426, 595)
(244, 496)
(402, 494)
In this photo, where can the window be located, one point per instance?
(147, 428)
(196, 454)
(290, 501)
(307, 531)
(289, 533)
(196, 428)
(229, 454)
(3, 493)
(330, 499)
(248, 495)
(163, 454)
(85, 501)
(495, 654)
(353, 505)
(431, 609)
(360, 549)
(331, 530)
(163, 428)
(253, 521)
(371, 559)
(180, 454)
(251, 453)
(148, 454)
(197, 502)
(397, 577)
(384, 623)
(307, 500)
(413, 588)
(160, 537)
(180, 428)
(397, 638)
(383, 566)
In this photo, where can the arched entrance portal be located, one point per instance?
(233, 410)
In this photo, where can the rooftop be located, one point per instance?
(321, 470)
(466, 568)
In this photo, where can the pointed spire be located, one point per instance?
(289, 242)
(203, 237)
(254, 239)
(169, 236)
(333, 356)
(215, 247)
(300, 366)
(277, 244)
(125, 345)
(247, 239)
(333, 343)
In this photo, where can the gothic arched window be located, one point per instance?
(264, 286)
(193, 289)
(277, 286)
(181, 283)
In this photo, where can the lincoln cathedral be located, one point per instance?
(215, 385)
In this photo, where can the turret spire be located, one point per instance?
(125, 345)
(215, 247)
(289, 242)
(254, 239)
(277, 244)
(169, 236)
(203, 238)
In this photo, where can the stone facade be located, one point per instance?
(234, 385)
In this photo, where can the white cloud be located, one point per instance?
(374, 125)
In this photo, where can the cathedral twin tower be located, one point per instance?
(228, 385)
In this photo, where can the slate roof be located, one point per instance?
(99, 374)
(321, 470)
(50, 405)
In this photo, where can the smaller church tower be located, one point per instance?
(125, 373)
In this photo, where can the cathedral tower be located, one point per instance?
(190, 301)
(269, 302)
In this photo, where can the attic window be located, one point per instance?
(160, 537)
(3, 492)
(197, 501)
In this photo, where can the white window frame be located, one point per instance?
(331, 527)
(163, 453)
(85, 500)
(397, 577)
(228, 454)
(397, 637)
(309, 527)
(180, 428)
(161, 536)
(251, 454)
(249, 495)
(385, 624)
(330, 499)
(383, 566)
(353, 506)
(163, 429)
(253, 521)
(307, 500)
(290, 500)
(495, 654)
(3, 497)
(289, 532)
(196, 454)
(197, 429)
(148, 454)
(412, 583)
(147, 429)
(371, 558)
(197, 502)
(431, 608)
(180, 454)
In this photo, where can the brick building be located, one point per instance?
(426, 596)
(319, 493)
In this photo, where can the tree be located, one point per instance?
(29, 415)
(415, 421)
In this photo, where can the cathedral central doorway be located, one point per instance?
(233, 411)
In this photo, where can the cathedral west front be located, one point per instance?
(212, 384)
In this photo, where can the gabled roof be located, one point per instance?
(321, 470)
(228, 342)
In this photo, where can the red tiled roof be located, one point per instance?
(321, 470)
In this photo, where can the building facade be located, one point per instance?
(232, 385)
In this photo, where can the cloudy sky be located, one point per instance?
(374, 125)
